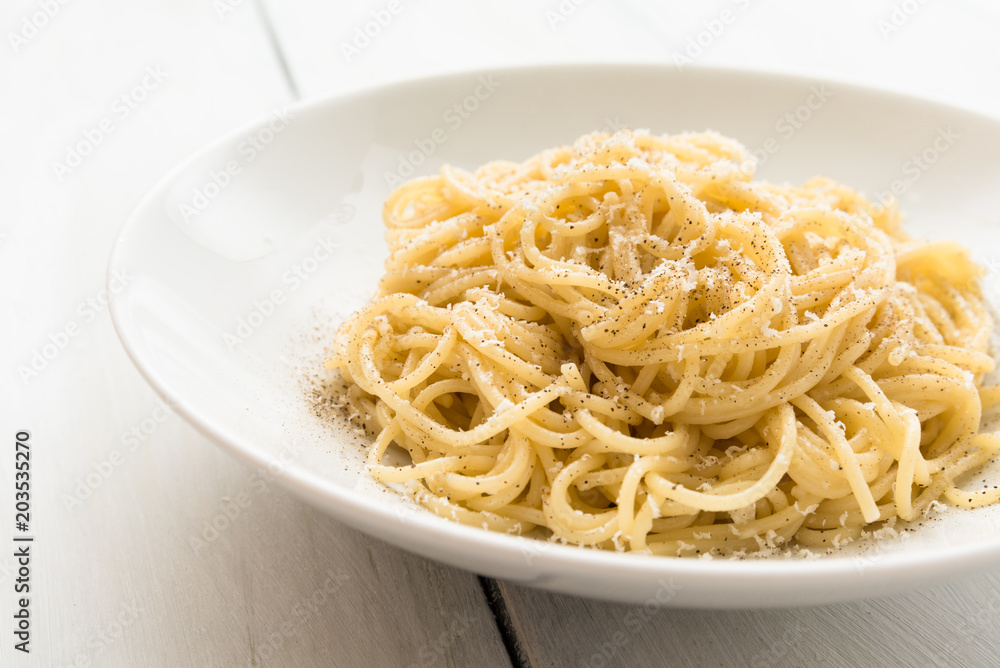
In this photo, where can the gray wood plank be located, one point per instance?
(954, 625)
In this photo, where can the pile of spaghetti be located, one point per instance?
(628, 343)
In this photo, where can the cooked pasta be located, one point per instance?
(629, 343)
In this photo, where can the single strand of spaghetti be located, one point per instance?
(573, 377)
(617, 441)
(551, 438)
(741, 467)
(907, 463)
(645, 378)
(730, 429)
(661, 524)
(605, 477)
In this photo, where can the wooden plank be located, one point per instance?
(116, 94)
(955, 625)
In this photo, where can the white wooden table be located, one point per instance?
(99, 98)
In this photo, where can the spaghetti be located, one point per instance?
(629, 343)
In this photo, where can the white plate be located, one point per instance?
(273, 234)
